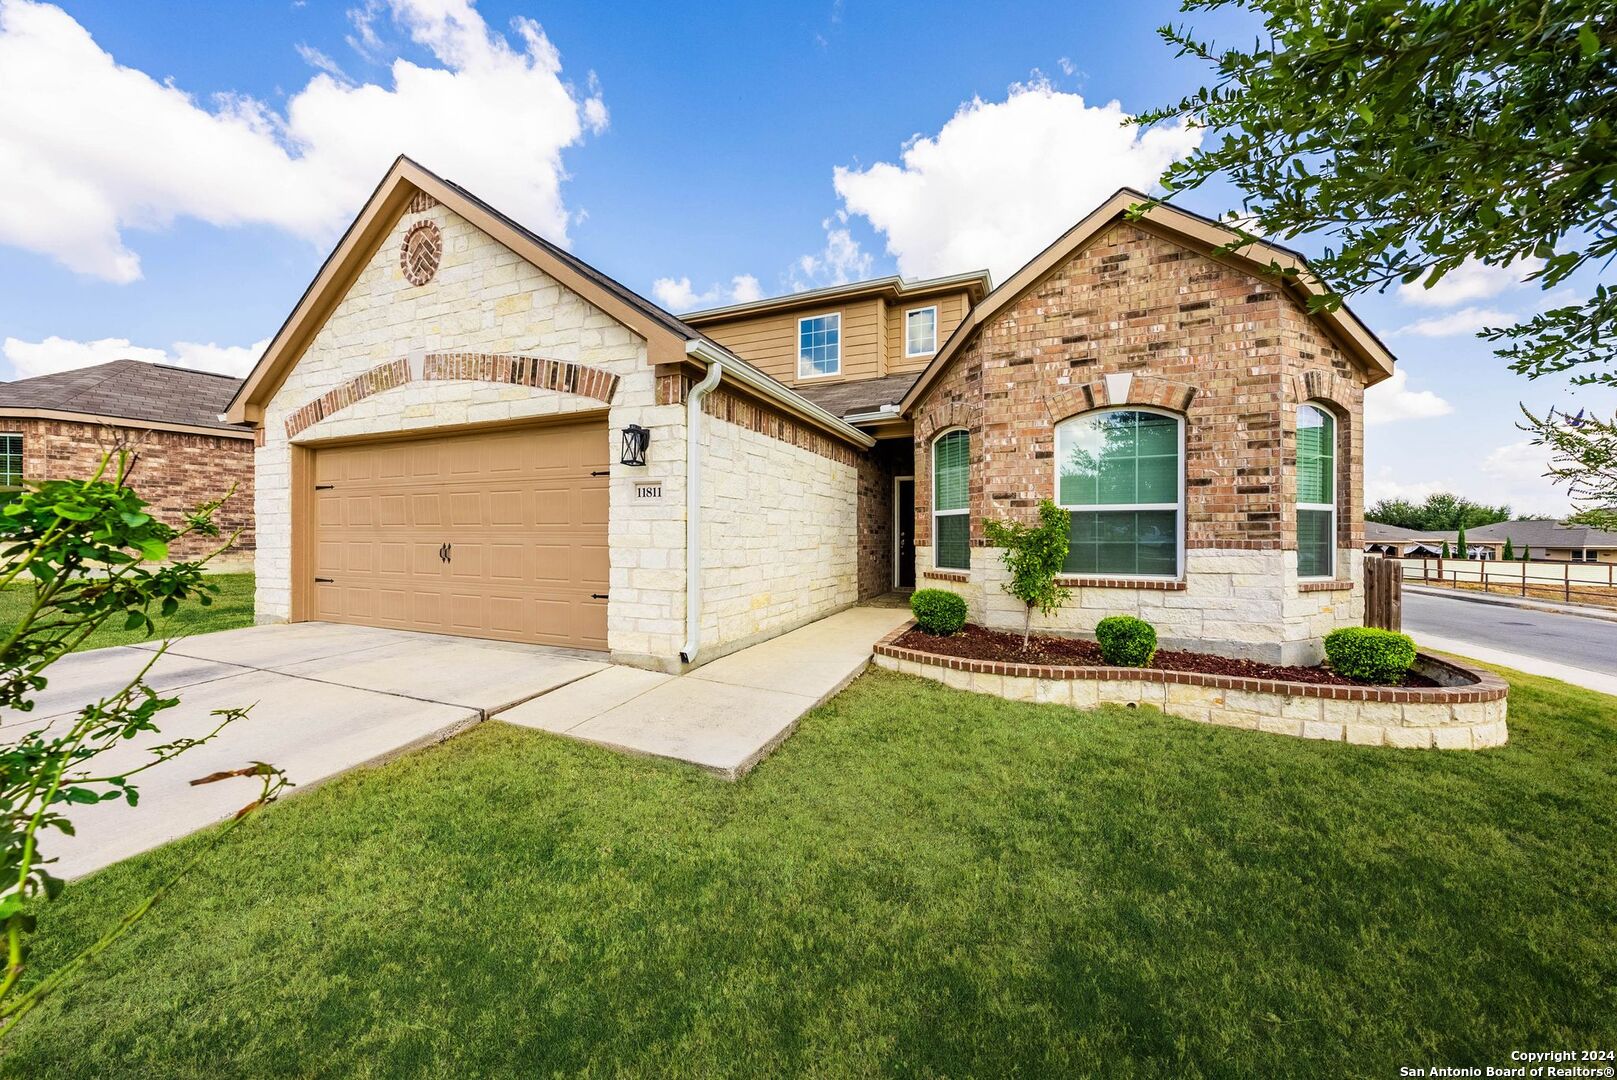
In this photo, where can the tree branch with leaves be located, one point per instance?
(1416, 137)
(90, 552)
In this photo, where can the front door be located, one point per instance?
(904, 534)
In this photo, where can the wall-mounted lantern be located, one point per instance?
(635, 441)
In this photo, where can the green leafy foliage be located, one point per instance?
(1126, 641)
(1439, 512)
(1418, 137)
(80, 549)
(1510, 550)
(1034, 555)
(1460, 543)
(1369, 654)
(938, 611)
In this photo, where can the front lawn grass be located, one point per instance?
(920, 881)
(232, 607)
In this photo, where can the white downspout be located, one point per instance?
(693, 510)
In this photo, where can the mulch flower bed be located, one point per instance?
(978, 643)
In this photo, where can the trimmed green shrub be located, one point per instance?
(938, 611)
(1126, 641)
(1370, 655)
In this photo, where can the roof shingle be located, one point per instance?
(129, 390)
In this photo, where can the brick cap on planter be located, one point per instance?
(947, 575)
(1486, 687)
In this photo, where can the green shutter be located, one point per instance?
(951, 490)
(1316, 464)
(1314, 543)
(954, 542)
(951, 470)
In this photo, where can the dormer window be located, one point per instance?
(819, 346)
(921, 331)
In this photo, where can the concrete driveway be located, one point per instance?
(325, 698)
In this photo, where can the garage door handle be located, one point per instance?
(323, 581)
(602, 472)
(597, 596)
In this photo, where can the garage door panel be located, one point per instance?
(525, 521)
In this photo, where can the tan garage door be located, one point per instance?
(495, 535)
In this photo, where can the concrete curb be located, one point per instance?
(1577, 611)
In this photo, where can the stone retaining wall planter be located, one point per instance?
(1465, 712)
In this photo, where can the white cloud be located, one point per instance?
(676, 294)
(1388, 484)
(1515, 475)
(321, 62)
(94, 149)
(1467, 320)
(1391, 400)
(54, 354)
(841, 260)
(1471, 280)
(1000, 180)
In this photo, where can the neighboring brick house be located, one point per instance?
(465, 429)
(167, 418)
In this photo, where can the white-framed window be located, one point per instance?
(1316, 492)
(1121, 474)
(10, 461)
(819, 345)
(921, 331)
(951, 501)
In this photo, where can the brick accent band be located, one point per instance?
(386, 376)
(1482, 685)
(673, 384)
(1158, 584)
(946, 575)
(562, 376)
(1325, 586)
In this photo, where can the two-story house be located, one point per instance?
(463, 428)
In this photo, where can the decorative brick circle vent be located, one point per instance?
(419, 254)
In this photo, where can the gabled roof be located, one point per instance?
(976, 285)
(1196, 231)
(1544, 532)
(126, 390)
(668, 338)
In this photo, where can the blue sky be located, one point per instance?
(173, 174)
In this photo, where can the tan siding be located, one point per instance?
(952, 308)
(769, 342)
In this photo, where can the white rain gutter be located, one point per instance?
(693, 509)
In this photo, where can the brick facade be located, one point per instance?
(174, 471)
(1137, 318)
(878, 469)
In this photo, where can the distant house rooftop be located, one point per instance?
(125, 390)
(1544, 533)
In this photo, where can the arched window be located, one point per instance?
(1121, 474)
(1316, 492)
(951, 501)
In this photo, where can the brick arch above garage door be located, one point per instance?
(538, 372)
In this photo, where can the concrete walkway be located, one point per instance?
(325, 699)
(725, 715)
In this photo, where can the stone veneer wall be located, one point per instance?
(174, 471)
(1193, 335)
(779, 536)
(486, 299)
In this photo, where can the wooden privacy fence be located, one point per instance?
(1383, 593)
